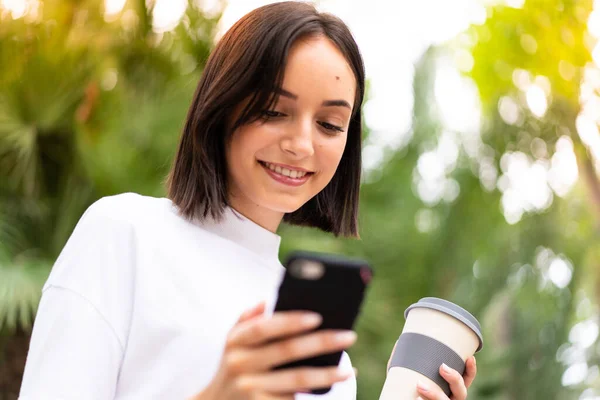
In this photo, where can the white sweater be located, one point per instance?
(139, 303)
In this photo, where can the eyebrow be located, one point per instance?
(326, 103)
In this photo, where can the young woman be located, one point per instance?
(147, 299)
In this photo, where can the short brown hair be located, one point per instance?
(248, 63)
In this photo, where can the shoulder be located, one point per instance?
(106, 234)
(105, 242)
(128, 211)
(127, 208)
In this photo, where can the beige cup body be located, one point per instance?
(401, 383)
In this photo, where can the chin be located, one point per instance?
(284, 207)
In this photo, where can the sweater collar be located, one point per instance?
(243, 231)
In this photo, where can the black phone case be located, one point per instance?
(337, 296)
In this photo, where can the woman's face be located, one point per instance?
(291, 153)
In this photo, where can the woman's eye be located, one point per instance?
(272, 114)
(332, 128)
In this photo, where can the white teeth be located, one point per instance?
(286, 172)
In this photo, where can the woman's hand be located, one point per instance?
(256, 344)
(458, 384)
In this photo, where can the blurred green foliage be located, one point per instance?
(88, 108)
(92, 106)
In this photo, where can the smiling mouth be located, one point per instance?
(286, 172)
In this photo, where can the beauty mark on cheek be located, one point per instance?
(337, 78)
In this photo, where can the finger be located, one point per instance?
(252, 312)
(456, 381)
(428, 391)
(266, 357)
(305, 346)
(282, 324)
(292, 380)
(267, 396)
(470, 372)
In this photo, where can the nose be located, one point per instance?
(298, 141)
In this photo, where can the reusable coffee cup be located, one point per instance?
(436, 332)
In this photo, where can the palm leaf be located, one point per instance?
(20, 290)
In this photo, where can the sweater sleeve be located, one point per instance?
(81, 327)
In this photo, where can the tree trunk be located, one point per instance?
(13, 353)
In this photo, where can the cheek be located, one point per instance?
(237, 158)
(252, 140)
(330, 155)
(242, 145)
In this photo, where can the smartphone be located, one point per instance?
(331, 285)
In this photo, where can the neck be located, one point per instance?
(261, 216)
